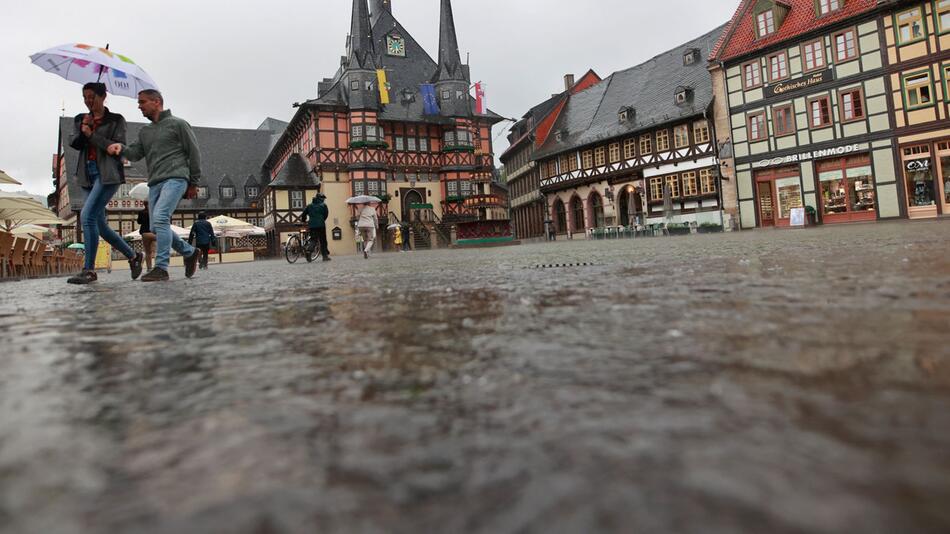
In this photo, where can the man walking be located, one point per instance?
(367, 225)
(202, 237)
(317, 213)
(174, 169)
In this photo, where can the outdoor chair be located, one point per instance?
(58, 262)
(6, 249)
(41, 260)
(17, 267)
(28, 252)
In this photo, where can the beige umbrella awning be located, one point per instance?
(13, 217)
(7, 179)
(27, 229)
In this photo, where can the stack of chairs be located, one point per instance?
(29, 258)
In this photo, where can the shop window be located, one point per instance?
(690, 186)
(910, 26)
(587, 159)
(577, 212)
(819, 112)
(943, 16)
(919, 172)
(681, 136)
(945, 172)
(846, 46)
(783, 120)
(614, 152)
(778, 66)
(629, 148)
(757, 128)
(701, 132)
(707, 181)
(752, 75)
(851, 105)
(789, 196)
(656, 188)
(597, 210)
(765, 23)
(918, 90)
(847, 185)
(814, 55)
(662, 141)
(600, 156)
(827, 6)
(646, 145)
(673, 185)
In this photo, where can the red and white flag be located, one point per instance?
(481, 104)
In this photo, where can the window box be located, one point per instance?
(382, 145)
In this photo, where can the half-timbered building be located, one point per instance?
(637, 148)
(528, 208)
(395, 124)
(809, 113)
(917, 34)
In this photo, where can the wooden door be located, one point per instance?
(765, 198)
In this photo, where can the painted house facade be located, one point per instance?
(810, 118)
(917, 36)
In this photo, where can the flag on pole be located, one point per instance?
(383, 86)
(481, 103)
(430, 103)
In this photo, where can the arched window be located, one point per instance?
(560, 216)
(577, 212)
(597, 210)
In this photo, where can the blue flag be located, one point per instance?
(430, 102)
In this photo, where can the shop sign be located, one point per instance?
(812, 80)
(918, 165)
(808, 156)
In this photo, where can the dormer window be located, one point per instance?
(251, 191)
(203, 192)
(626, 114)
(355, 85)
(827, 6)
(765, 22)
(227, 192)
(691, 57)
(682, 95)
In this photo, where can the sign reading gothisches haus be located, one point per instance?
(808, 82)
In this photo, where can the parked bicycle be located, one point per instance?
(299, 245)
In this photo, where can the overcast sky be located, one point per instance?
(231, 64)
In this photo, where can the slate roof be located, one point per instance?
(530, 121)
(296, 173)
(403, 74)
(740, 37)
(227, 155)
(591, 115)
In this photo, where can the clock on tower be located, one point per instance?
(396, 46)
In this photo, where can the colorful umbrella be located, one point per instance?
(82, 63)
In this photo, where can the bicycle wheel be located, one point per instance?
(308, 251)
(293, 249)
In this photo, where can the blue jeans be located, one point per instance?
(94, 221)
(163, 198)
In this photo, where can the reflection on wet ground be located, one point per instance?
(767, 382)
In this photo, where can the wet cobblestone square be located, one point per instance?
(757, 382)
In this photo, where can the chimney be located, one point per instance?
(568, 82)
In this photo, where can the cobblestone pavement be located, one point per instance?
(763, 382)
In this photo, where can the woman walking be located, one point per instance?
(367, 226)
(148, 237)
(100, 175)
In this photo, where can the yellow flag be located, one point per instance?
(383, 86)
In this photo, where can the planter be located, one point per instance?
(710, 229)
(678, 231)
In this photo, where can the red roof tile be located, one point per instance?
(740, 36)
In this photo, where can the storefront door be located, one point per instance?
(943, 170)
(778, 191)
(765, 196)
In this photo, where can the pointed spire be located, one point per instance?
(450, 62)
(361, 53)
(381, 6)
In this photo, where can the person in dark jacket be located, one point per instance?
(148, 237)
(317, 214)
(202, 237)
(405, 237)
(100, 175)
